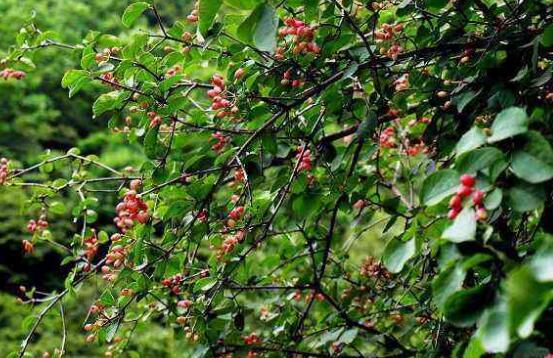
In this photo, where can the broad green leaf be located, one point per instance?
(464, 307)
(472, 139)
(493, 199)
(493, 330)
(75, 80)
(260, 28)
(439, 185)
(207, 11)
(107, 102)
(446, 283)
(526, 197)
(397, 253)
(526, 299)
(534, 161)
(133, 12)
(509, 123)
(463, 227)
(478, 159)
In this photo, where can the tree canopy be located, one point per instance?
(265, 140)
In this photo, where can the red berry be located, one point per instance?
(464, 191)
(477, 197)
(455, 202)
(452, 214)
(467, 180)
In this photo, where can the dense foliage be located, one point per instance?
(275, 135)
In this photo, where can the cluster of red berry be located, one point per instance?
(239, 175)
(131, 209)
(413, 122)
(4, 170)
(252, 339)
(37, 225)
(91, 245)
(8, 73)
(193, 17)
(466, 190)
(374, 269)
(235, 215)
(109, 77)
(304, 158)
(155, 119)
(386, 34)
(387, 138)
(287, 80)
(218, 98)
(106, 54)
(302, 38)
(174, 283)
(221, 141)
(173, 70)
(414, 149)
(230, 242)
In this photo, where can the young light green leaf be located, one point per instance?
(133, 12)
(207, 11)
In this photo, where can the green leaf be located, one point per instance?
(150, 142)
(75, 80)
(57, 207)
(205, 284)
(534, 162)
(525, 197)
(547, 36)
(133, 12)
(526, 299)
(464, 307)
(260, 28)
(493, 330)
(478, 159)
(106, 102)
(446, 283)
(472, 139)
(509, 123)
(207, 11)
(464, 99)
(439, 185)
(542, 263)
(397, 253)
(463, 227)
